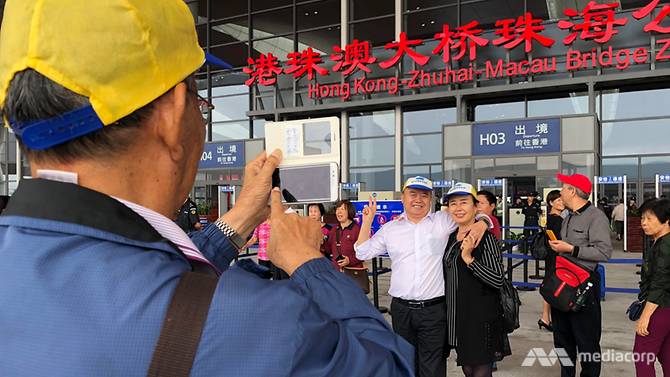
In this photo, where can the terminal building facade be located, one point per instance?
(450, 89)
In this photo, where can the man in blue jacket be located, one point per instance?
(102, 97)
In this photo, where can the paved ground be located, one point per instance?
(618, 332)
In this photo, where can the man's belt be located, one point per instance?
(420, 304)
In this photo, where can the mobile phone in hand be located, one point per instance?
(551, 235)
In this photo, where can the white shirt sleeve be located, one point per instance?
(447, 223)
(373, 247)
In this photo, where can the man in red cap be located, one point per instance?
(585, 236)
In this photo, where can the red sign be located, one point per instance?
(596, 22)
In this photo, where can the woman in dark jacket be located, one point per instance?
(473, 277)
(345, 234)
(653, 327)
(554, 222)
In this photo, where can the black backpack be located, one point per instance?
(510, 302)
(540, 245)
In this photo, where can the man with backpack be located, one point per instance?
(585, 239)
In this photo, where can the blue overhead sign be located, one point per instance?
(350, 186)
(491, 182)
(611, 180)
(664, 178)
(443, 184)
(387, 211)
(519, 137)
(222, 155)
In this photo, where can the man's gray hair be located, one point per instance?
(33, 97)
(581, 193)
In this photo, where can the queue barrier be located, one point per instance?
(379, 269)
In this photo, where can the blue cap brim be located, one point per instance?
(213, 60)
(419, 187)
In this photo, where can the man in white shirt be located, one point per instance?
(416, 242)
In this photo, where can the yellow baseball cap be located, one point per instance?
(121, 54)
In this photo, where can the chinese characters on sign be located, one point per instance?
(442, 184)
(519, 137)
(611, 180)
(664, 178)
(491, 183)
(222, 155)
(595, 22)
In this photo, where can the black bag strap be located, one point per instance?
(338, 234)
(183, 325)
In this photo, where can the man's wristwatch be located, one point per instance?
(231, 234)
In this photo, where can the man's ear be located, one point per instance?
(170, 111)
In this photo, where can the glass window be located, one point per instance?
(379, 123)
(232, 8)
(457, 141)
(548, 163)
(425, 25)
(230, 131)
(577, 134)
(487, 14)
(279, 47)
(644, 103)
(432, 172)
(230, 108)
(235, 30)
(574, 104)
(234, 54)
(321, 41)
(636, 137)
(267, 4)
(579, 163)
(620, 166)
(458, 170)
(516, 164)
(655, 165)
(259, 128)
(322, 13)
(419, 149)
(372, 152)
(375, 179)
(421, 4)
(378, 32)
(272, 23)
(361, 9)
(495, 111)
(427, 120)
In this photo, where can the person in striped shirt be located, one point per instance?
(473, 277)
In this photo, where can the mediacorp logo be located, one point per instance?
(547, 360)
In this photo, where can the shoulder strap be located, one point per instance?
(183, 325)
(338, 231)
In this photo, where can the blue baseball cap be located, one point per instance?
(419, 183)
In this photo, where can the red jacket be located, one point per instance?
(348, 237)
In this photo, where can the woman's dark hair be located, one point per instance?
(320, 206)
(659, 207)
(551, 196)
(351, 211)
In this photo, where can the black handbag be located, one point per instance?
(570, 286)
(540, 248)
(634, 311)
(510, 302)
